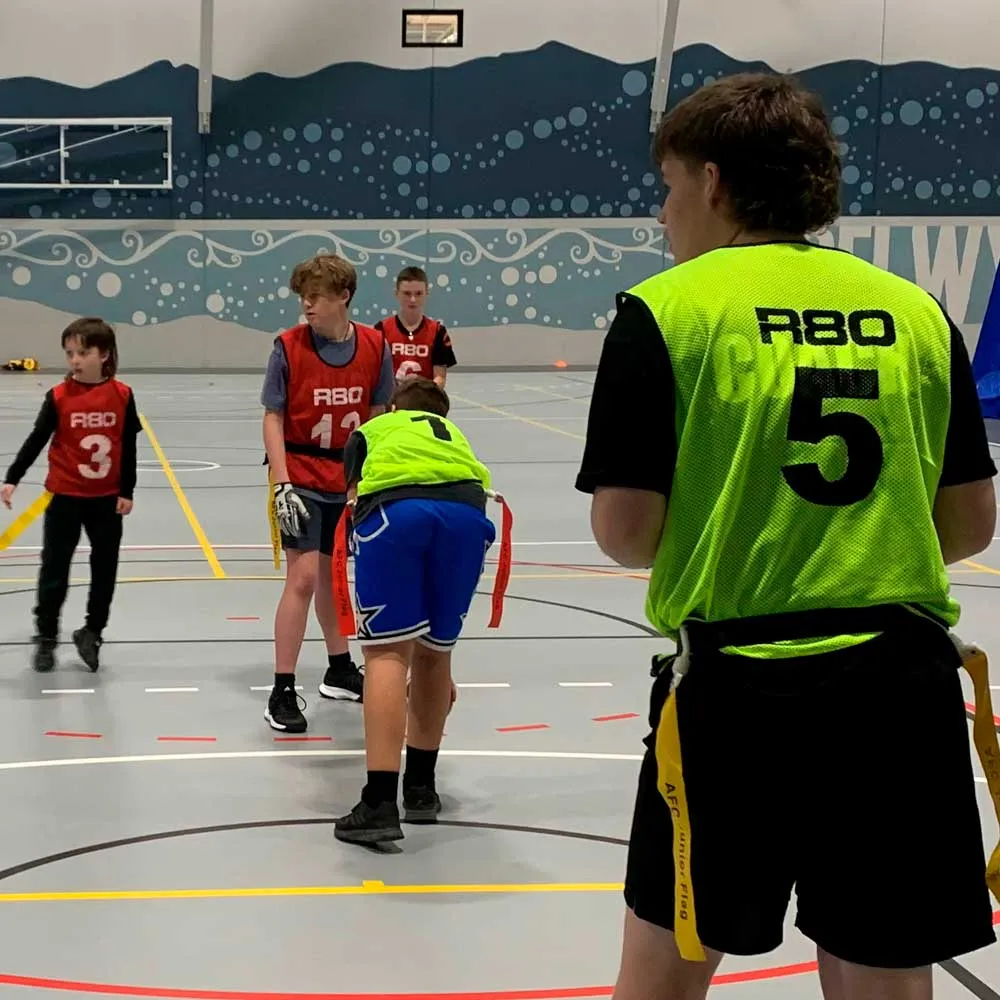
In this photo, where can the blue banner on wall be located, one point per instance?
(986, 362)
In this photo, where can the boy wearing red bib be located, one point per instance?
(419, 345)
(324, 378)
(92, 420)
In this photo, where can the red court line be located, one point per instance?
(616, 718)
(186, 739)
(522, 729)
(969, 707)
(303, 739)
(82, 736)
(116, 989)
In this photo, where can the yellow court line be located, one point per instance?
(192, 518)
(277, 579)
(373, 888)
(517, 416)
(981, 568)
(585, 400)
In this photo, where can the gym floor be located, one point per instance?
(161, 840)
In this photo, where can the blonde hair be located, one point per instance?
(325, 274)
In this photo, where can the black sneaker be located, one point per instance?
(44, 659)
(365, 824)
(343, 685)
(283, 712)
(88, 645)
(420, 804)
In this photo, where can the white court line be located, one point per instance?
(270, 687)
(163, 758)
(156, 758)
(585, 684)
(67, 690)
(171, 690)
(488, 684)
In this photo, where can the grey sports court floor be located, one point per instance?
(159, 840)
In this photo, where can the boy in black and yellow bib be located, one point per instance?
(420, 540)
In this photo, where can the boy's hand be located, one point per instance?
(6, 493)
(291, 512)
(124, 507)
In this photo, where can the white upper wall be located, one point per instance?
(85, 43)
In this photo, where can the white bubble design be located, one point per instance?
(109, 285)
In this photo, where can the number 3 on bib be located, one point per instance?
(324, 429)
(99, 447)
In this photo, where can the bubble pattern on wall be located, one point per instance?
(493, 276)
(552, 133)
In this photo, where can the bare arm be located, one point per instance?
(274, 445)
(965, 517)
(440, 374)
(627, 524)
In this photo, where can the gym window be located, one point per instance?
(432, 28)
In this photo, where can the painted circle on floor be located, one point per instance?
(134, 990)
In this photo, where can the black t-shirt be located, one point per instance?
(635, 377)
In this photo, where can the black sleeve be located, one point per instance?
(634, 388)
(967, 447)
(133, 427)
(45, 426)
(355, 453)
(443, 353)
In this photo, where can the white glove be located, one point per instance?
(291, 512)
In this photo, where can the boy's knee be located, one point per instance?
(302, 576)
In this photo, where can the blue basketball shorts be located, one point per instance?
(417, 564)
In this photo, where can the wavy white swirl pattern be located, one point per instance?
(552, 276)
(480, 276)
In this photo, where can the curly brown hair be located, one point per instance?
(324, 274)
(777, 156)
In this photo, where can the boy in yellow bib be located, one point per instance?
(420, 540)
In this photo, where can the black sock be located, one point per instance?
(284, 681)
(341, 662)
(383, 786)
(420, 765)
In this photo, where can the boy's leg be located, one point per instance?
(456, 560)
(290, 618)
(60, 536)
(429, 703)
(901, 756)
(103, 525)
(389, 594)
(342, 680)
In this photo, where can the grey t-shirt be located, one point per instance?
(274, 392)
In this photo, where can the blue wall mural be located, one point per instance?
(531, 204)
(551, 133)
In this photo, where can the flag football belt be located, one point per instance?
(711, 637)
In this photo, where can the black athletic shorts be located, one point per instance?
(322, 526)
(846, 776)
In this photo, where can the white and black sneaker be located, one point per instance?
(283, 712)
(343, 684)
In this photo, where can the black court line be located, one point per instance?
(148, 838)
(651, 632)
(971, 982)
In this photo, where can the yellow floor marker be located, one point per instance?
(192, 518)
(24, 520)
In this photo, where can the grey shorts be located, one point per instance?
(318, 533)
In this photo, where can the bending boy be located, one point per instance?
(420, 537)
